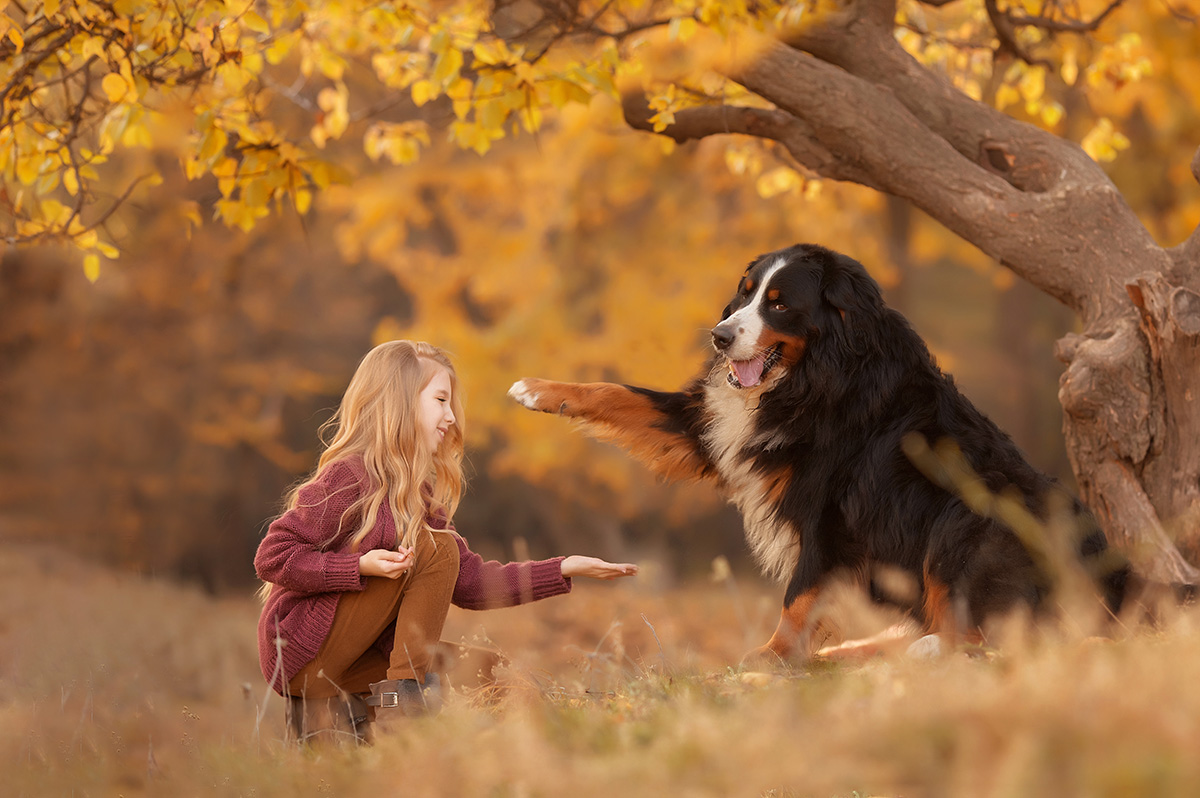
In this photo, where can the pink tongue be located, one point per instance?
(748, 371)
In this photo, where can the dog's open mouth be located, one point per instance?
(749, 373)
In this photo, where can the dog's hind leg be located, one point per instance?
(943, 614)
(660, 429)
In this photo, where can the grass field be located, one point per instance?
(113, 685)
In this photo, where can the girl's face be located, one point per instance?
(434, 414)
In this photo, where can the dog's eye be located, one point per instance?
(778, 307)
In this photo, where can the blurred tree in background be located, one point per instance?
(157, 404)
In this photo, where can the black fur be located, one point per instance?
(804, 416)
(839, 418)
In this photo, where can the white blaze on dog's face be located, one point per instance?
(750, 337)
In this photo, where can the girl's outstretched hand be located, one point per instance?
(385, 562)
(578, 565)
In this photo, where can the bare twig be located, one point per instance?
(662, 655)
(276, 674)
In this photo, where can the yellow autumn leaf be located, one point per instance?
(422, 92)
(446, 68)
(777, 181)
(1052, 113)
(1006, 95)
(282, 45)
(233, 77)
(255, 193)
(225, 171)
(1104, 141)
(682, 28)
(137, 134)
(91, 267)
(92, 47)
(1033, 84)
(531, 119)
(332, 65)
(86, 239)
(238, 214)
(491, 53)
(491, 115)
(213, 144)
(254, 22)
(29, 167)
(16, 38)
(115, 87)
(335, 104)
(1070, 67)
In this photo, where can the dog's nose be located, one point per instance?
(722, 337)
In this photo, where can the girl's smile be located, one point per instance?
(435, 416)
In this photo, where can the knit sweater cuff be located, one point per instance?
(341, 572)
(548, 579)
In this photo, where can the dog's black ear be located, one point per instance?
(850, 305)
(846, 323)
(846, 286)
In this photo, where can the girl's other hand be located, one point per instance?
(578, 565)
(385, 562)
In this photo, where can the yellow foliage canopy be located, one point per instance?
(253, 93)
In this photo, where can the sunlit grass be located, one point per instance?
(115, 686)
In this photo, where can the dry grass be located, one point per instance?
(111, 685)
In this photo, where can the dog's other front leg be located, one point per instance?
(660, 429)
(792, 640)
(795, 636)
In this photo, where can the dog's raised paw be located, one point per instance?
(520, 391)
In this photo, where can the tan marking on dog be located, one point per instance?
(615, 413)
(793, 348)
(941, 614)
(794, 632)
(777, 484)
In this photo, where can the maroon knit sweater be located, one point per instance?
(310, 575)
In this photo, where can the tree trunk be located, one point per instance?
(850, 104)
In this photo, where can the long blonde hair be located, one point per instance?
(378, 421)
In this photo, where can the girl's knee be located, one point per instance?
(447, 550)
(440, 552)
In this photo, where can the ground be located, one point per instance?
(119, 685)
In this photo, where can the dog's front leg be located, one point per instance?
(792, 640)
(661, 429)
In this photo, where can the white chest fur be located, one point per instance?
(774, 542)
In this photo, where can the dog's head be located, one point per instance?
(800, 303)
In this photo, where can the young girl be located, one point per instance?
(365, 562)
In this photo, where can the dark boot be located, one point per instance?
(343, 719)
(405, 695)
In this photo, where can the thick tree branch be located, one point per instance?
(866, 125)
(765, 123)
(1066, 228)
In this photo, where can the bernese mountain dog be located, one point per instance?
(816, 416)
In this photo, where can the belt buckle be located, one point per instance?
(389, 700)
